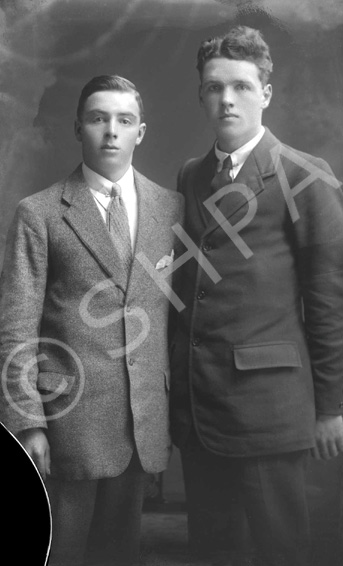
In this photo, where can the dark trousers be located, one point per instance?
(97, 522)
(232, 502)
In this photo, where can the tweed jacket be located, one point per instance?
(82, 355)
(258, 349)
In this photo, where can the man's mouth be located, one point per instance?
(108, 146)
(228, 115)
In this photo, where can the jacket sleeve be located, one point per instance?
(316, 205)
(22, 292)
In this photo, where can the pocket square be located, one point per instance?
(165, 261)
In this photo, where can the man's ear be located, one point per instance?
(141, 133)
(267, 95)
(77, 130)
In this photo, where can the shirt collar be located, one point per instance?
(101, 184)
(240, 155)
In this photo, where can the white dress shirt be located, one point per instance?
(102, 199)
(239, 156)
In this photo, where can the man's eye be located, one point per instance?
(214, 88)
(242, 87)
(125, 121)
(98, 119)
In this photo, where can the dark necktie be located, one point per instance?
(223, 177)
(118, 225)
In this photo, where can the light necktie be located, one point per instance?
(223, 177)
(118, 225)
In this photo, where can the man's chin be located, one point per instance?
(228, 132)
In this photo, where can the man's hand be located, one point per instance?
(328, 436)
(36, 444)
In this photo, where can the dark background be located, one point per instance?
(50, 48)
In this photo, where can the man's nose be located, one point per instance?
(228, 96)
(112, 128)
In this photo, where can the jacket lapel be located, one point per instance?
(202, 186)
(249, 181)
(84, 218)
(148, 220)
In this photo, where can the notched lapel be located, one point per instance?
(148, 221)
(84, 218)
(201, 188)
(248, 184)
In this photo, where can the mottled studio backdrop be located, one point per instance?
(50, 48)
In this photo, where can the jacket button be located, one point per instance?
(201, 295)
(195, 342)
(131, 362)
(206, 247)
(128, 309)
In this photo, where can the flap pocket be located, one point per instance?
(59, 383)
(267, 355)
(167, 378)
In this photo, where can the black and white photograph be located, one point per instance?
(171, 288)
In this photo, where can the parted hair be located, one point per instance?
(108, 82)
(241, 43)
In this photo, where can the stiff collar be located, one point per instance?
(102, 185)
(240, 155)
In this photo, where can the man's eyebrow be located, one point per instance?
(212, 80)
(95, 111)
(105, 112)
(132, 114)
(247, 81)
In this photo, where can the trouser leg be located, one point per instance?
(72, 505)
(274, 492)
(217, 523)
(115, 529)
(223, 494)
(97, 522)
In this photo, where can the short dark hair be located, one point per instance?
(241, 43)
(108, 82)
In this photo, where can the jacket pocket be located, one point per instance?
(266, 355)
(57, 383)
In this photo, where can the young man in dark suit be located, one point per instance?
(85, 369)
(257, 356)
